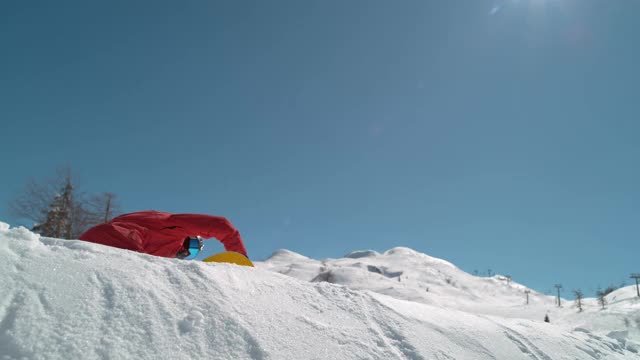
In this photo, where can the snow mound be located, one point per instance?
(401, 251)
(76, 300)
(411, 255)
(286, 255)
(361, 254)
(624, 296)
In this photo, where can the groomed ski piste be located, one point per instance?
(63, 299)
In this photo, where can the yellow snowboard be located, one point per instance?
(230, 257)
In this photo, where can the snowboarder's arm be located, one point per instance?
(209, 226)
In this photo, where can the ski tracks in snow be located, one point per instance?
(431, 337)
(587, 344)
(526, 346)
(386, 331)
(595, 346)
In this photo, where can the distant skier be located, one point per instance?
(164, 234)
(546, 318)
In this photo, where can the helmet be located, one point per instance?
(191, 247)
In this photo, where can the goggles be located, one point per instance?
(194, 246)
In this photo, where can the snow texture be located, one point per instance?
(75, 300)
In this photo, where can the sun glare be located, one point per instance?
(533, 5)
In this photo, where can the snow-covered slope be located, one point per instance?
(405, 274)
(75, 300)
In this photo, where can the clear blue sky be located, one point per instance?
(493, 134)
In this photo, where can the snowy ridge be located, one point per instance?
(406, 274)
(77, 300)
(362, 253)
(286, 255)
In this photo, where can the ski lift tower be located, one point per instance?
(636, 277)
(558, 287)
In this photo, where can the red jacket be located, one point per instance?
(162, 234)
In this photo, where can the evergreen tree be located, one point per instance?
(59, 217)
(59, 210)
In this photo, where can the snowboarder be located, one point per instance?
(164, 234)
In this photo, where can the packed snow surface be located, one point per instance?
(64, 299)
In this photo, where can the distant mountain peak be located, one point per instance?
(286, 254)
(401, 250)
(362, 254)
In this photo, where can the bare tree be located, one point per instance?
(103, 207)
(579, 296)
(33, 204)
(52, 206)
(602, 298)
(56, 208)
